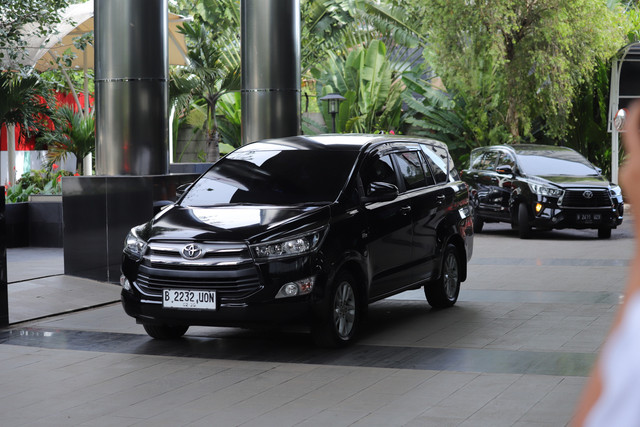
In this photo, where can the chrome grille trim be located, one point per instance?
(165, 254)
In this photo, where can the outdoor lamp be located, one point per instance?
(333, 105)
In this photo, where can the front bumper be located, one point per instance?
(245, 292)
(552, 216)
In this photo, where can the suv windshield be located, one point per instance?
(567, 163)
(282, 176)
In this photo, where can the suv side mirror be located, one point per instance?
(180, 190)
(505, 170)
(381, 192)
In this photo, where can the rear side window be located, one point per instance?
(411, 169)
(438, 168)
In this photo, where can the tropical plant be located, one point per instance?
(22, 102)
(212, 72)
(73, 133)
(370, 87)
(43, 181)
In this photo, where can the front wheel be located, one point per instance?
(524, 222)
(444, 292)
(165, 332)
(338, 324)
(604, 233)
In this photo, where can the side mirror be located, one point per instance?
(505, 170)
(181, 189)
(380, 192)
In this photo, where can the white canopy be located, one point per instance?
(77, 20)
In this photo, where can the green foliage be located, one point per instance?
(40, 16)
(74, 133)
(371, 89)
(22, 102)
(539, 52)
(214, 67)
(230, 120)
(44, 181)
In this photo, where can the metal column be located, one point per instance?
(270, 48)
(132, 71)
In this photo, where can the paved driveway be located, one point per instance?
(515, 350)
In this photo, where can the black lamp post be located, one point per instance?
(333, 104)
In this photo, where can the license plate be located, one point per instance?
(189, 299)
(588, 217)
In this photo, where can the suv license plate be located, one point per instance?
(189, 299)
(588, 218)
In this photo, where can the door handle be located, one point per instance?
(440, 199)
(405, 210)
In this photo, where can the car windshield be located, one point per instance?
(281, 176)
(566, 163)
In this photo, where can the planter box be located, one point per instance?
(35, 223)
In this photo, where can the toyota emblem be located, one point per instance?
(587, 194)
(192, 251)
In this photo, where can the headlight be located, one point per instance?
(616, 191)
(293, 246)
(134, 246)
(543, 190)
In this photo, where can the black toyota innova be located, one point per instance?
(302, 229)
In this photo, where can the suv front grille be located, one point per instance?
(226, 268)
(580, 199)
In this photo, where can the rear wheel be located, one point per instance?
(524, 222)
(444, 292)
(165, 332)
(604, 233)
(478, 223)
(339, 323)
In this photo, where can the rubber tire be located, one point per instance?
(604, 233)
(478, 224)
(165, 332)
(444, 292)
(524, 219)
(344, 303)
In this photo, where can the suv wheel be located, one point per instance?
(339, 323)
(444, 292)
(478, 223)
(524, 221)
(604, 233)
(165, 332)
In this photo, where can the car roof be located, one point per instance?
(346, 142)
(529, 149)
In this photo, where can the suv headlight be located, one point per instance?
(134, 246)
(616, 191)
(543, 190)
(293, 246)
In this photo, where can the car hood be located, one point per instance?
(234, 223)
(565, 181)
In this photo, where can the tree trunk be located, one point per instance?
(213, 149)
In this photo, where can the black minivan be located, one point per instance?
(302, 229)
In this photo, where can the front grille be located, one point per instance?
(226, 268)
(579, 199)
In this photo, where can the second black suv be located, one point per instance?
(302, 229)
(541, 186)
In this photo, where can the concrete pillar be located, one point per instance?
(131, 77)
(270, 47)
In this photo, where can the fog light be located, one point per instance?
(124, 282)
(538, 207)
(299, 287)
